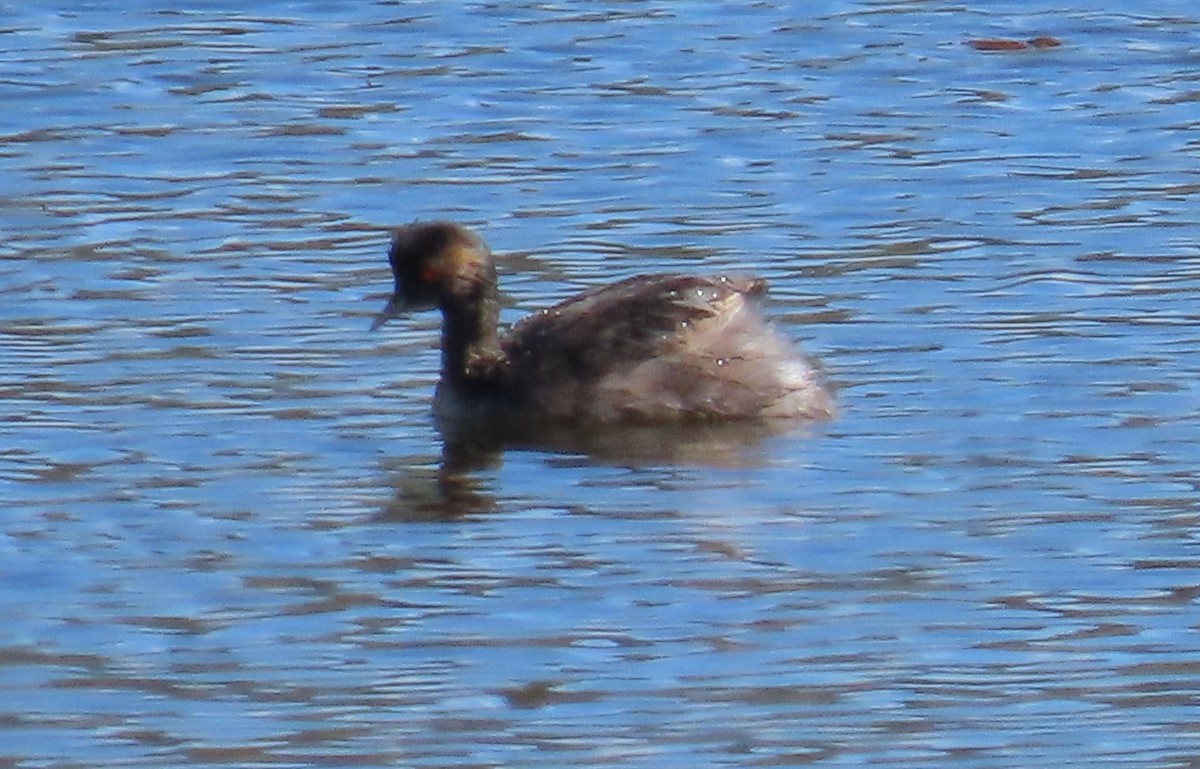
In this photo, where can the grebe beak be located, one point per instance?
(393, 309)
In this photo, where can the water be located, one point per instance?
(232, 535)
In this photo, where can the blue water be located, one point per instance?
(231, 533)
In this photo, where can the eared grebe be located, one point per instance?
(651, 348)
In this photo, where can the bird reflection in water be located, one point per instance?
(460, 482)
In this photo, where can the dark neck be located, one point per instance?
(471, 352)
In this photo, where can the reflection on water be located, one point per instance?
(454, 488)
(447, 492)
(454, 485)
(233, 534)
(715, 445)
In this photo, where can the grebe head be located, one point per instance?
(437, 265)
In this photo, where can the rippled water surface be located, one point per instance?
(231, 534)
